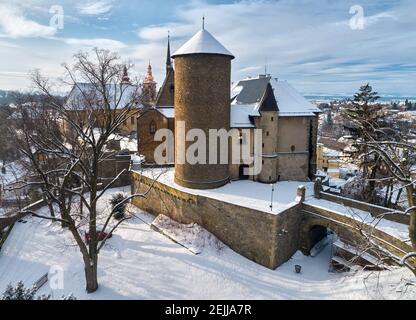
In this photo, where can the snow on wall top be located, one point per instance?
(203, 42)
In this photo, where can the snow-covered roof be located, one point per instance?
(252, 95)
(168, 112)
(290, 102)
(83, 95)
(203, 42)
(250, 91)
(241, 116)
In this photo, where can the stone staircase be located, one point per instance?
(347, 257)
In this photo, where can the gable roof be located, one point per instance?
(166, 94)
(269, 101)
(203, 42)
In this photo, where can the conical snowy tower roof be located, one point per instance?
(203, 42)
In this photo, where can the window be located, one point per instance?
(262, 145)
(242, 138)
(272, 119)
(293, 148)
(152, 127)
(267, 133)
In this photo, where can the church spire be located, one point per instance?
(168, 58)
(149, 76)
(125, 78)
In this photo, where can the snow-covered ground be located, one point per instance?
(245, 193)
(140, 263)
(14, 171)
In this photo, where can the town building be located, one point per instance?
(84, 99)
(329, 161)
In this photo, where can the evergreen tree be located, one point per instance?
(364, 121)
(19, 292)
(329, 120)
(119, 205)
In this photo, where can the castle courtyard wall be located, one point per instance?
(266, 238)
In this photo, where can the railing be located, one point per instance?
(371, 208)
(42, 280)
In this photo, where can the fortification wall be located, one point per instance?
(268, 239)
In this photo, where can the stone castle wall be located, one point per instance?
(268, 239)
(265, 238)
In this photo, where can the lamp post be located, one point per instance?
(271, 200)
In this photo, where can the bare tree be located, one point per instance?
(66, 163)
(400, 160)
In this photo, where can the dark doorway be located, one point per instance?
(316, 234)
(241, 174)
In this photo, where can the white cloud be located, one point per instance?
(109, 44)
(96, 7)
(14, 24)
(7, 44)
(308, 43)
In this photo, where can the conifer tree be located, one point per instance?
(365, 121)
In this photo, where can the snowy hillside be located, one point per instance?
(141, 263)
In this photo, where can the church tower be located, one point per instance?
(125, 79)
(202, 101)
(165, 97)
(169, 66)
(149, 86)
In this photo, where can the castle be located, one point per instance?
(197, 91)
(244, 215)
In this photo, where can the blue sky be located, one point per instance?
(310, 43)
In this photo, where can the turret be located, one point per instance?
(202, 101)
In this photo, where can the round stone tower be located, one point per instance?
(202, 101)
